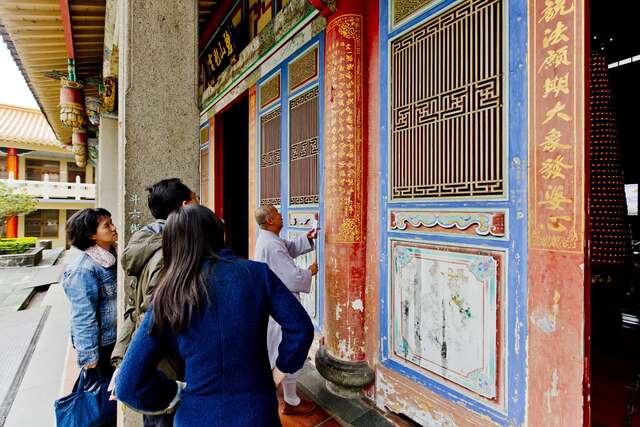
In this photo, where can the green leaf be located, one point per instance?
(13, 203)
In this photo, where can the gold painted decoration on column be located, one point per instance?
(345, 128)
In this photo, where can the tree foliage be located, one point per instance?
(12, 202)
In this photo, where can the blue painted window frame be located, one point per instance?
(283, 103)
(514, 202)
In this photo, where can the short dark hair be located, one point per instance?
(166, 196)
(82, 225)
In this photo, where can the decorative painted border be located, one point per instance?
(302, 219)
(273, 80)
(296, 62)
(470, 223)
(431, 5)
(487, 267)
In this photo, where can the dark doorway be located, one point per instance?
(232, 173)
(613, 295)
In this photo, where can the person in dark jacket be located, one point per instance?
(213, 308)
(141, 262)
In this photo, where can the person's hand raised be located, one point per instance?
(312, 234)
(313, 268)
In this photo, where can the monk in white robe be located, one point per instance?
(278, 254)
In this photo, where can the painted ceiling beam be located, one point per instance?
(68, 39)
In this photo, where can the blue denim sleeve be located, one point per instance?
(82, 287)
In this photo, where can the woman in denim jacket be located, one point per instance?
(90, 285)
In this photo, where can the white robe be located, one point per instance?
(278, 254)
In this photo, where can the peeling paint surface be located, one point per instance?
(553, 390)
(546, 321)
(357, 305)
(397, 394)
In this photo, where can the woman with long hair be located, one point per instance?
(213, 309)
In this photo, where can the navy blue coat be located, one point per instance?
(227, 371)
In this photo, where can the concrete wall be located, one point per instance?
(157, 111)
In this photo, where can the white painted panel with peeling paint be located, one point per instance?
(444, 315)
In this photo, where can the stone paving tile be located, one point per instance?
(18, 337)
(371, 419)
(347, 410)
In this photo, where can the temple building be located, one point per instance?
(33, 161)
(454, 153)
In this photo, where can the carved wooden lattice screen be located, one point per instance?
(270, 158)
(303, 148)
(446, 105)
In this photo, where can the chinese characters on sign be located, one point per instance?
(557, 147)
(221, 52)
(344, 127)
(135, 214)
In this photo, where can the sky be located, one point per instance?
(13, 88)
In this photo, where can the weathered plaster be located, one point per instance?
(546, 320)
(398, 394)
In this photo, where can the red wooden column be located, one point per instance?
(341, 359)
(557, 363)
(12, 167)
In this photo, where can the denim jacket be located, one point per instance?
(91, 289)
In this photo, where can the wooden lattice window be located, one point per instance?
(303, 148)
(270, 158)
(446, 105)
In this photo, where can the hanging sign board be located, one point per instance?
(220, 52)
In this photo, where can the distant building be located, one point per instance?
(35, 162)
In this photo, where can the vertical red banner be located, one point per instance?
(557, 133)
(557, 171)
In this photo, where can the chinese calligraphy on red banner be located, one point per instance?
(557, 134)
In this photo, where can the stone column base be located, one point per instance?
(344, 378)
